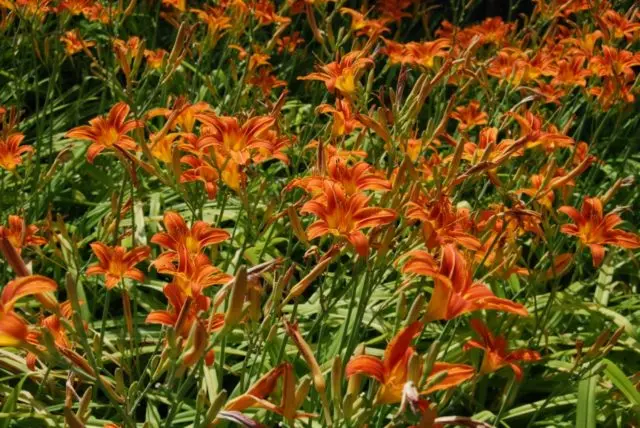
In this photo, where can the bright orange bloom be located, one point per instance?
(441, 221)
(73, 43)
(20, 235)
(233, 139)
(550, 138)
(614, 62)
(217, 23)
(11, 152)
(155, 58)
(183, 115)
(13, 329)
(570, 73)
(352, 179)
(177, 300)
(344, 120)
(345, 215)
(392, 371)
(343, 74)
(266, 81)
(289, 43)
(75, 7)
(595, 229)
(618, 26)
(256, 395)
(192, 274)
(469, 116)
(363, 26)
(108, 132)
(194, 239)
(200, 170)
(612, 92)
(454, 292)
(496, 354)
(116, 263)
(492, 30)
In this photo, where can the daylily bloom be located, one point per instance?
(352, 179)
(256, 395)
(116, 263)
(345, 215)
(11, 152)
(266, 81)
(183, 114)
(343, 74)
(155, 58)
(344, 120)
(392, 370)
(289, 43)
(194, 239)
(74, 43)
(441, 221)
(595, 229)
(191, 274)
(177, 300)
(108, 132)
(454, 291)
(469, 116)
(200, 170)
(615, 62)
(20, 235)
(231, 138)
(13, 329)
(496, 354)
(363, 26)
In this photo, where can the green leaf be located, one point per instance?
(586, 409)
(622, 382)
(10, 405)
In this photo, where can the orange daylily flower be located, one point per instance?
(183, 115)
(73, 43)
(441, 221)
(469, 116)
(13, 329)
(116, 263)
(177, 301)
(419, 54)
(108, 132)
(344, 120)
(266, 81)
(496, 354)
(289, 43)
(618, 26)
(20, 235)
(615, 62)
(155, 58)
(343, 74)
(550, 138)
(230, 138)
(345, 215)
(217, 23)
(256, 395)
(194, 239)
(192, 274)
(75, 7)
(392, 371)
(200, 170)
(595, 229)
(352, 179)
(11, 151)
(363, 26)
(454, 291)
